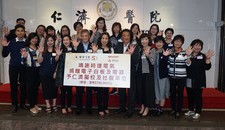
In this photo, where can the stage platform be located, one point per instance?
(24, 120)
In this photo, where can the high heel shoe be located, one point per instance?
(64, 111)
(106, 112)
(55, 109)
(101, 115)
(69, 110)
(143, 116)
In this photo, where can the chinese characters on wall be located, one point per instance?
(82, 16)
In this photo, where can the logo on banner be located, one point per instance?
(107, 9)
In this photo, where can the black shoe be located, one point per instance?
(172, 113)
(78, 111)
(159, 113)
(129, 114)
(89, 111)
(121, 110)
(153, 112)
(14, 109)
(24, 107)
(177, 115)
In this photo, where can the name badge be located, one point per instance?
(53, 54)
(99, 51)
(200, 57)
(89, 51)
(179, 56)
(143, 57)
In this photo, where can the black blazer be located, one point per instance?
(196, 71)
(80, 48)
(134, 57)
(163, 66)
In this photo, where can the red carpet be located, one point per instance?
(212, 98)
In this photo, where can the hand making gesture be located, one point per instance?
(94, 47)
(4, 42)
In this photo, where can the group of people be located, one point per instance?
(160, 68)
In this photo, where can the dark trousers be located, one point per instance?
(102, 98)
(66, 95)
(122, 98)
(195, 99)
(79, 93)
(33, 82)
(131, 95)
(176, 93)
(14, 74)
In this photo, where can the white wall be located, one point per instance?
(192, 18)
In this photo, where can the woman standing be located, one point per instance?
(168, 38)
(145, 78)
(48, 57)
(177, 74)
(78, 26)
(104, 46)
(196, 77)
(98, 29)
(66, 91)
(32, 70)
(161, 74)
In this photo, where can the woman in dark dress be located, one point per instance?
(48, 57)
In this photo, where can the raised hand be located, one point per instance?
(160, 33)
(45, 34)
(41, 49)
(5, 31)
(209, 54)
(27, 33)
(75, 43)
(58, 51)
(24, 53)
(93, 28)
(94, 47)
(166, 52)
(189, 50)
(139, 34)
(4, 42)
(131, 49)
(147, 51)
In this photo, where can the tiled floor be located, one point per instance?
(24, 120)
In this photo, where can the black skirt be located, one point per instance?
(49, 89)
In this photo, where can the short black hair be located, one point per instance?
(197, 41)
(20, 19)
(178, 37)
(169, 29)
(159, 38)
(19, 26)
(31, 36)
(127, 30)
(50, 27)
(116, 24)
(75, 25)
(145, 35)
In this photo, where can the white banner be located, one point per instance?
(97, 70)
